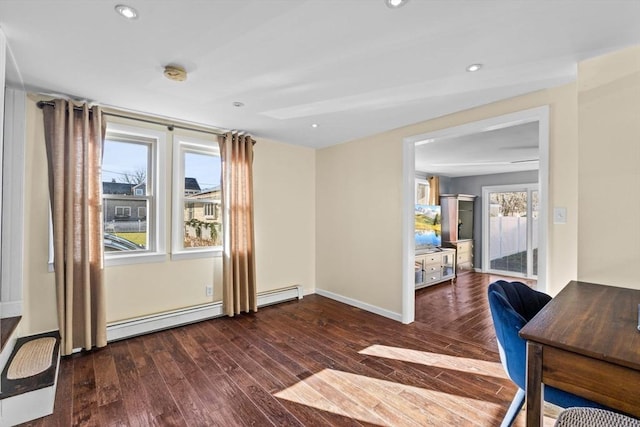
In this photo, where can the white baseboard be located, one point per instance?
(144, 325)
(362, 305)
(279, 295)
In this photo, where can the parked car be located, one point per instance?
(113, 243)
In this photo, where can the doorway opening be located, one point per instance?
(539, 115)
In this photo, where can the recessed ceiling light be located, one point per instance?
(314, 125)
(474, 67)
(127, 11)
(394, 4)
(238, 104)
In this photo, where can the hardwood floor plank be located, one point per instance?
(64, 400)
(85, 401)
(313, 362)
(113, 414)
(107, 383)
(133, 395)
(162, 409)
(224, 368)
(194, 412)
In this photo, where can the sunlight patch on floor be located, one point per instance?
(388, 403)
(462, 364)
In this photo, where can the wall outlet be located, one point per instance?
(208, 290)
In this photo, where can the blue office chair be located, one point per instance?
(512, 305)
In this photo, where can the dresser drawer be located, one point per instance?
(434, 258)
(432, 268)
(464, 266)
(464, 258)
(463, 247)
(430, 277)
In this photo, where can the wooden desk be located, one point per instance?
(585, 341)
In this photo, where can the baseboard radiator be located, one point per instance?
(146, 324)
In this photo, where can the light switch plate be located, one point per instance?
(559, 215)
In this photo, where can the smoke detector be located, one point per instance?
(175, 73)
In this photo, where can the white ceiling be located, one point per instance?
(509, 149)
(354, 67)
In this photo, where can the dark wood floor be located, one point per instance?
(314, 362)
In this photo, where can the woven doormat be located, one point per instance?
(32, 358)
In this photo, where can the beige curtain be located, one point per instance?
(434, 190)
(74, 138)
(239, 292)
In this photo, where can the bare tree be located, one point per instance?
(136, 177)
(512, 203)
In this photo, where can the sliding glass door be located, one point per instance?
(510, 232)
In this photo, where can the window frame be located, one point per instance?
(422, 182)
(187, 144)
(155, 195)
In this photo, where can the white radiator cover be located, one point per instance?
(146, 324)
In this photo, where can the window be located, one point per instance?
(123, 212)
(132, 191)
(212, 210)
(422, 191)
(197, 220)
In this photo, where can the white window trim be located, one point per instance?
(159, 192)
(182, 143)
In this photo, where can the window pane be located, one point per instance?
(422, 193)
(125, 225)
(508, 231)
(125, 168)
(202, 215)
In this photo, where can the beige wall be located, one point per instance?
(284, 180)
(359, 196)
(358, 228)
(609, 168)
(285, 215)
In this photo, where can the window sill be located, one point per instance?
(129, 259)
(197, 253)
(153, 257)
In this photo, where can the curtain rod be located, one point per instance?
(169, 126)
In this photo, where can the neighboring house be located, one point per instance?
(125, 208)
(191, 186)
(203, 209)
(140, 189)
(204, 206)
